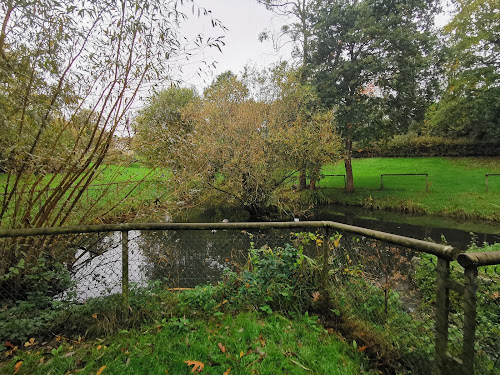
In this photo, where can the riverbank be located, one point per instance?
(456, 186)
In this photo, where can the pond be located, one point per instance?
(190, 258)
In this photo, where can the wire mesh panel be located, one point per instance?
(487, 335)
(384, 294)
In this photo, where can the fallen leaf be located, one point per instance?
(68, 354)
(197, 366)
(17, 366)
(362, 348)
(242, 354)
(315, 296)
(222, 348)
(94, 316)
(30, 342)
(99, 372)
(8, 344)
(262, 341)
(99, 347)
(227, 371)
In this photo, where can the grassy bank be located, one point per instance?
(247, 343)
(456, 186)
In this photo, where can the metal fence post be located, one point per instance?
(442, 310)
(125, 280)
(326, 298)
(470, 301)
(325, 256)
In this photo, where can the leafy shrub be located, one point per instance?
(280, 279)
(34, 311)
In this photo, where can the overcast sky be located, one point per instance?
(245, 20)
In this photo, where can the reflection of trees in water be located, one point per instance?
(190, 258)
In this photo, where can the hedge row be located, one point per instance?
(405, 146)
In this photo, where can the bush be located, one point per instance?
(280, 279)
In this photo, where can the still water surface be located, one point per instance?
(190, 258)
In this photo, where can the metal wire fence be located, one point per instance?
(406, 303)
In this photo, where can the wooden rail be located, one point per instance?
(405, 174)
(487, 258)
(446, 252)
(487, 175)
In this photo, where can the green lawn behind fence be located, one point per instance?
(457, 186)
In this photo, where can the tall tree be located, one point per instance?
(372, 61)
(298, 31)
(470, 103)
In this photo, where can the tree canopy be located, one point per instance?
(470, 103)
(372, 61)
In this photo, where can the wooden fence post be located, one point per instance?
(442, 310)
(326, 298)
(470, 303)
(125, 280)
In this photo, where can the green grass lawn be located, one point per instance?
(247, 343)
(456, 186)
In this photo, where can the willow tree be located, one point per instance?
(70, 74)
(244, 139)
(372, 62)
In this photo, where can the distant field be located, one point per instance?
(456, 185)
(115, 191)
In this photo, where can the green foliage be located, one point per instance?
(33, 314)
(279, 279)
(470, 103)
(160, 129)
(469, 108)
(372, 62)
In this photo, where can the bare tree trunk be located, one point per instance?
(314, 177)
(302, 178)
(348, 165)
